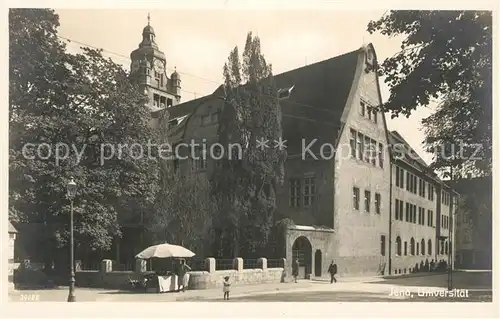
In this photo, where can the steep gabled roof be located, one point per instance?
(410, 155)
(315, 105)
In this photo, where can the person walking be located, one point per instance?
(295, 269)
(182, 275)
(332, 269)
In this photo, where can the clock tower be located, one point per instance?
(148, 68)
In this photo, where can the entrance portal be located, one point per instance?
(317, 263)
(302, 250)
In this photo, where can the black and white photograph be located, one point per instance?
(228, 156)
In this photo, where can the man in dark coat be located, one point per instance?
(295, 269)
(332, 270)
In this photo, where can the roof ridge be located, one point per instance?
(319, 62)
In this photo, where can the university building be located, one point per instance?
(368, 208)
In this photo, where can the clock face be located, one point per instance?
(159, 66)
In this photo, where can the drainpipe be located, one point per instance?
(390, 217)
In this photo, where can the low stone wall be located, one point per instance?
(206, 280)
(106, 278)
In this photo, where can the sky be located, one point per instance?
(197, 43)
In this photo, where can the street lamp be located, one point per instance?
(71, 195)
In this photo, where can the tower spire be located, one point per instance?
(149, 18)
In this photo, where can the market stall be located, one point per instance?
(164, 281)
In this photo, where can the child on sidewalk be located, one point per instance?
(226, 287)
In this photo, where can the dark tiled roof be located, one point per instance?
(396, 138)
(318, 98)
(315, 107)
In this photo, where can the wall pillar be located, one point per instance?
(210, 264)
(262, 262)
(106, 266)
(238, 264)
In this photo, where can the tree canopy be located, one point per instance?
(246, 187)
(445, 55)
(81, 104)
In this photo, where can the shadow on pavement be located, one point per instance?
(460, 280)
(136, 292)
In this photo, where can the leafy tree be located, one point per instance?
(447, 55)
(80, 103)
(245, 186)
(183, 208)
(184, 212)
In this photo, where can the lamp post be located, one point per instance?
(71, 195)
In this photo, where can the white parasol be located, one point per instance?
(165, 251)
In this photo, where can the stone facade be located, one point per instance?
(421, 219)
(343, 198)
(358, 230)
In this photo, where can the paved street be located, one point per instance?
(369, 289)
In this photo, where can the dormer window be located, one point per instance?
(369, 58)
(172, 123)
(369, 61)
(285, 93)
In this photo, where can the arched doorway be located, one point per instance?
(318, 263)
(302, 250)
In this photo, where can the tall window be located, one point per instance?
(401, 210)
(406, 248)
(355, 198)
(412, 246)
(373, 152)
(367, 201)
(396, 210)
(401, 178)
(361, 149)
(429, 247)
(408, 212)
(367, 154)
(422, 244)
(397, 177)
(430, 194)
(377, 203)
(414, 214)
(381, 155)
(309, 191)
(362, 109)
(294, 192)
(382, 245)
(353, 143)
(398, 246)
(408, 181)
